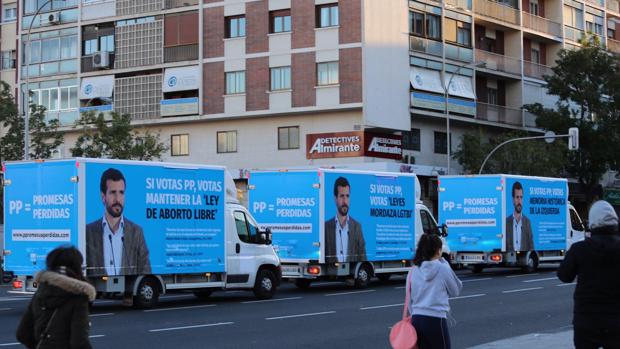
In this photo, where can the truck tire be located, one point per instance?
(303, 284)
(477, 268)
(384, 277)
(148, 294)
(362, 278)
(265, 285)
(203, 294)
(532, 264)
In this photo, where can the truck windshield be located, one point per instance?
(246, 228)
(428, 225)
(575, 221)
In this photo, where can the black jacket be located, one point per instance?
(595, 262)
(70, 326)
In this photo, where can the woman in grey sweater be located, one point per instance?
(432, 283)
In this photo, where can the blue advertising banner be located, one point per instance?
(40, 210)
(368, 216)
(535, 214)
(288, 204)
(473, 216)
(144, 219)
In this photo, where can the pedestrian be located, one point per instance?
(57, 316)
(595, 262)
(432, 283)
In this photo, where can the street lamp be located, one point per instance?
(447, 95)
(27, 102)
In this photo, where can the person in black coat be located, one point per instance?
(595, 262)
(57, 316)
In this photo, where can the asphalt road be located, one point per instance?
(493, 305)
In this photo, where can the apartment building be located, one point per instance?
(8, 42)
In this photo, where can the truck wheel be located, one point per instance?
(203, 294)
(384, 277)
(362, 278)
(478, 268)
(265, 285)
(532, 264)
(148, 294)
(303, 284)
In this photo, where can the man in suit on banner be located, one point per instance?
(518, 226)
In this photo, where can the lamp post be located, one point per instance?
(28, 47)
(447, 95)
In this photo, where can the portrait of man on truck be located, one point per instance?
(344, 241)
(518, 226)
(114, 244)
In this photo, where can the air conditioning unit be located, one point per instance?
(53, 18)
(101, 60)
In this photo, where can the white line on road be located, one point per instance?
(469, 296)
(180, 308)
(5, 309)
(472, 280)
(9, 344)
(177, 296)
(188, 327)
(383, 306)
(571, 284)
(271, 300)
(521, 275)
(399, 287)
(97, 336)
(300, 315)
(101, 314)
(15, 299)
(346, 293)
(536, 280)
(523, 289)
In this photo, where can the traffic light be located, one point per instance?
(573, 138)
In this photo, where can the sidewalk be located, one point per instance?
(563, 339)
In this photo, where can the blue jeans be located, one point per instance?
(432, 332)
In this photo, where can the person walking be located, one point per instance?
(57, 316)
(432, 283)
(595, 262)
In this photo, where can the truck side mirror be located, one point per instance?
(444, 230)
(269, 235)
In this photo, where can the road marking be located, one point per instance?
(180, 308)
(523, 289)
(521, 275)
(571, 284)
(473, 280)
(9, 344)
(383, 306)
(399, 287)
(97, 336)
(300, 315)
(346, 293)
(101, 314)
(177, 296)
(271, 300)
(325, 283)
(106, 302)
(5, 309)
(536, 280)
(189, 327)
(15, 299)
(469, 296)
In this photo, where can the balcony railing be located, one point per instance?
(497, 11)
(613, 5)
(459, 53)
(573, 34)
(596, 2)
(541, 24)
(430, 47)
(179, 3)
(462, 4)
(534, 70)
(499, 114)
(613, 46)
(499, 62)
(181, 53)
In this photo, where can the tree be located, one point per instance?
(586, 83)
(115, 139)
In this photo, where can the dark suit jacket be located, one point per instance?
(135, 253)
(356, 250)
(527, 241)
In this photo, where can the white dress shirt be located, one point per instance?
(342, 240)
(516, 232)
(113, 247)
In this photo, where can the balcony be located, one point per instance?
(179, 106)
(573, 34)
(459, 53)
(599, 3)
(537, 71)
(613, 5)
(499, 114)
(613, 46)
(497, 11)
(423, 45)
(542, 25)
(181, 53)
(460, 4)
(499, 62)
(179, 3)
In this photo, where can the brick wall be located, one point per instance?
(350, 12)
(350, 69)
(257, 26)
(303, 18)
(257, 80)
(303, 76)
(214, 88)
(213, 29)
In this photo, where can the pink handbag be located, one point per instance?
(403, 334)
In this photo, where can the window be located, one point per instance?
(441, 146)
(106, 43)
(288, 137)
(327, 73)
(534, 7)
(90, 46)
(280, 78)
(611, 29)
(433, 27)
(573, 17)
(227, 142)
(280, 21)
(235, 82)
(575, 221)
(68, 47)
(458, 32)
(179, 145)
(57, 98)
(9, 14)
(535, 55)
(50, 50)
(428, 225)
(425, 25)
(492, 95)
(135, 21)
(246, 228)
(235, 27)
(327, 16)
(594, 24)
(411, 139)
(31, 6)
(416, 25)
(8, 59)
